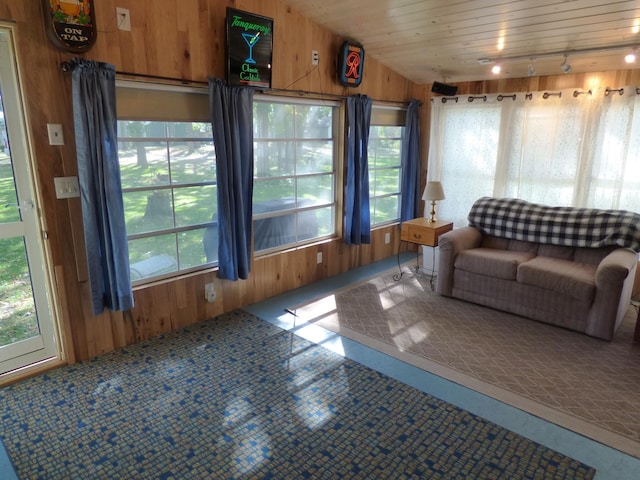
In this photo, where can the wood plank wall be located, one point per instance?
(179, 39)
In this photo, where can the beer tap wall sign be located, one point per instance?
(350, 64)
(249, 49)
(70, 24)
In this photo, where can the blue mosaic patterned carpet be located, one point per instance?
(237, 397)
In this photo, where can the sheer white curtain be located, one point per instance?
(463, 152)
(568, 147)
(614, 180)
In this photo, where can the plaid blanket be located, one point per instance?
(568, 226)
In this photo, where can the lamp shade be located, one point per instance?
(433, 191)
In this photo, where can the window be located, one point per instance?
(467, 141)
(384, 173)
(613, 180)
(385, 164)
(168, 171)
(561, 149)
(294, 194)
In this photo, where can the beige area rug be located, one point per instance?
(584, 384)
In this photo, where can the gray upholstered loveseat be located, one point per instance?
(566, 266)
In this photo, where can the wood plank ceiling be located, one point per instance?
(444, 40)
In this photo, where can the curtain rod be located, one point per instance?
(68, 66)
(182, 81)
(331, 95)
(529, 95)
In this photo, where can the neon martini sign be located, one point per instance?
(249, 49)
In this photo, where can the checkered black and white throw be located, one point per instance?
(569, 226)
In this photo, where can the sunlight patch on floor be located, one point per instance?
(410, 336)
(320, 308)
(314, 406)
(386, 300)
(248, 439)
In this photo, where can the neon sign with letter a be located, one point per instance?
(350, 64)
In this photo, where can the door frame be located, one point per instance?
(40, 239)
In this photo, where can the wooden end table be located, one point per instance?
(422, 232)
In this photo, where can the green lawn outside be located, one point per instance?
(17, 312)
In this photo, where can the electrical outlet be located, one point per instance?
(315, 58)
(209, 292)
(387, 238)
(55, 134)
(123, 19)
(319, 257)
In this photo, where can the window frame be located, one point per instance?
(387, 116)
(181, 104)
(334, 204)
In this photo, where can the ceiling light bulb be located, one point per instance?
(631, 57)
(496, 69)
(566, 68)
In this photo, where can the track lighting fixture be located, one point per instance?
(566, 68)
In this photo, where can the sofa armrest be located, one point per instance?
(614, 269)
(452, 243)
(614, 282)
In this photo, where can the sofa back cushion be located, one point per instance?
(520, 246)
(556, 251)
(499, 243)
(502, 243)
(592, 256)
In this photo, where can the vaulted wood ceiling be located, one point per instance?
(444, 40)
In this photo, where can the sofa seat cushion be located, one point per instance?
(577, 280)
(492, 262)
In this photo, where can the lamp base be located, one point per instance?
(432, 218)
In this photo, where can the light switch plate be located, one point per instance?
(55, 134)
(67, 187)
(123, 19)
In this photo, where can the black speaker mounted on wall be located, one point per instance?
(444, 89)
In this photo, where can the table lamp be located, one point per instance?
(433, 192)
